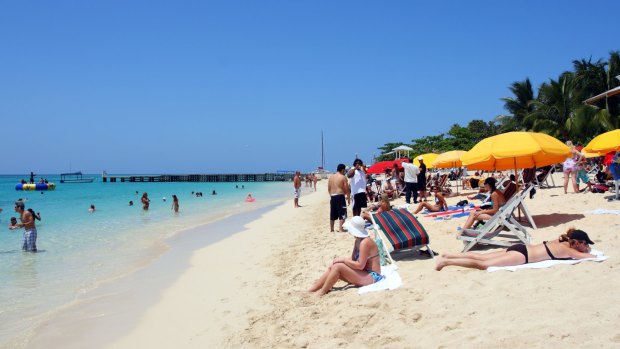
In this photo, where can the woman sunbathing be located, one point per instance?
(575, 244)
(497, 199)
(363, 268)
(439, 205)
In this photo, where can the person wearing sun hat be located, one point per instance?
(363, 268)
(574, 244)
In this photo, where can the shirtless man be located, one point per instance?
(338, 188)
(297, 185)
(30, 231)
(314, 180)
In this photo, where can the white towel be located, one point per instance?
(604, 211)
(392, 280)
(600, 256)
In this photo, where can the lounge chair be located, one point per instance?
(443, 183)
(542, 179)
(494, 229)
(400, 231)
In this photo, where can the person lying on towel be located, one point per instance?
(363, 268)
(439, 205)
(575, 244)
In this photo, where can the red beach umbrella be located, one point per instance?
(380, 167)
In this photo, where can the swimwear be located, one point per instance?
(360, 201)
(338, 207)
(297, 193)
(375, 277)
(30, 240)
(582, 176)
(521, 248)
(552, 256)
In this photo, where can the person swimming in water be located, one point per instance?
(91, 209)
(575, 244)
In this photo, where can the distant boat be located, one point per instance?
(75, 177)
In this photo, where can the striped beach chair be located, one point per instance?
(401, 230)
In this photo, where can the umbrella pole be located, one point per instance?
(517, 183)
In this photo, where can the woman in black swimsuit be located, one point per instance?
(575, 244)
(363, 268)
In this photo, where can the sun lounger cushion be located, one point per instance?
(402, 229)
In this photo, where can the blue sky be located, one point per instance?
(247, 86)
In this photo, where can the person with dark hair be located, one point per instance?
(357, 177)
(439, 205)
(36, 216)
(497, 200)
(297, 187)
(92, 209)
(13, 224)
(145, 201)
(340, 194)
(575, 244)
(422, 179)
(411, 181)
(175, 203)
(30, 230)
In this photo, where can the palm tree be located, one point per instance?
(518, 106)
(554, 107)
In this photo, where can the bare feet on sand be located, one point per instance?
(440, 263)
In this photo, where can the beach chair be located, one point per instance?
(443, 183)
(501, 230)
(542, 179)
(400, 231)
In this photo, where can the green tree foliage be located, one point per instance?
(557, 108)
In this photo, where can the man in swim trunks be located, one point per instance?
(30, 231)
(338, 188)
(357, 176)
(297, 186)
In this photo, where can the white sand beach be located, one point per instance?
(247, 290)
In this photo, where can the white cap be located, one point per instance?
(420, 158)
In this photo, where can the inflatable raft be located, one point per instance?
(35, 187)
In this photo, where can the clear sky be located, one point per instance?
(247, 86)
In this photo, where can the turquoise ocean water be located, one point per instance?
(79, 250)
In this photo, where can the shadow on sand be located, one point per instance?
(555, 219)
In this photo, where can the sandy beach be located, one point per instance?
(247, 290)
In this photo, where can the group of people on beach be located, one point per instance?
(363, 267)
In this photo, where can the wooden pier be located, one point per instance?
(262, 177)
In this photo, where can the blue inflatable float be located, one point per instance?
(35, 187)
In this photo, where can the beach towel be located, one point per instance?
(454, 215)
(392, 281)
(604, 211)
(600, 257)
(451, 210)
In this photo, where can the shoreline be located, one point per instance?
(91, 313)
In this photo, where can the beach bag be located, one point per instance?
(462, 203)
(599, 188)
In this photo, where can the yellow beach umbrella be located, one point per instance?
(428, 159)
(515, 150)
(604, 143)
(449, 159)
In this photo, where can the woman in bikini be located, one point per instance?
(439, 205)
(575, 244)
(497, 198)
(363, 268)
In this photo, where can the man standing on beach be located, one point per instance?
(422, 179)
(411, 181)
(30, 231)
(297, 185)
(338, 188)
(357, 175)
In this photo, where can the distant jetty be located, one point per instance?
(262, 177)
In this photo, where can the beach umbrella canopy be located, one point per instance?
(449, 159)
(515, 150)
(604, 143)
(380, 167)
(428, 159)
